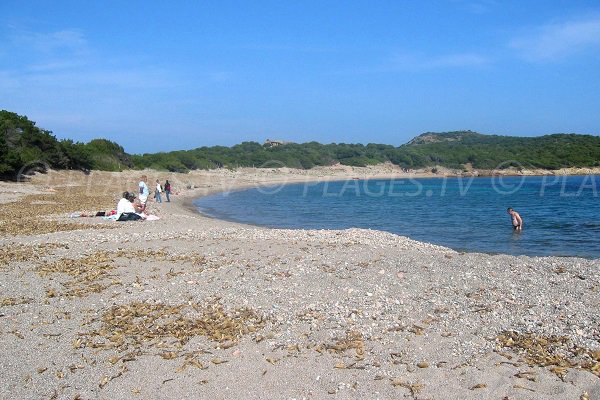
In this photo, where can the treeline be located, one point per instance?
(24, 147)
(455, 150)
(252, 154)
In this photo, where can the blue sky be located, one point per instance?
(159, 77)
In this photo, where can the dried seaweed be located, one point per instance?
(191, 359)
(414, 388)
(556, 352)
(143, 325)
(478, 386)
(353, 341)
(92, 273)
(30, 215)
(11, 253)
(12, 301)
(89, 274)
(162, 255)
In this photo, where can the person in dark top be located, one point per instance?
(167, 189)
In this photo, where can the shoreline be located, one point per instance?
(191, 198)
(141, 309)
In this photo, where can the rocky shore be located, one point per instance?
(194, 307)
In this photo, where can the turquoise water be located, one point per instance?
(561, 214)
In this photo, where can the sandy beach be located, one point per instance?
(195, 307)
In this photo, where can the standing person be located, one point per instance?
(157, 192)
(517, 221)
(168, 190)
(144, 192)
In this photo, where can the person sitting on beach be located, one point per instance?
(517, 221)
(127, 210)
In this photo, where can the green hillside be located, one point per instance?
(450, 149)
(456, 149)
(24, 146)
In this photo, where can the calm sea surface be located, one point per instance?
(561, 214)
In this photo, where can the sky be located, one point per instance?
(162, 76)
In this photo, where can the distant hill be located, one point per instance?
(457, 149)
(23, 146)
(444, 137)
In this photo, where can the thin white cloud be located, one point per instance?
(219, 76)
(411, 62)
(56, 65)
(271, 47)
(115, 80)
(558, 40)
(478, 6)
(25, 51)
(457, 60)
(68, 40)
(72, 40)
(464, 60)
(65, 60)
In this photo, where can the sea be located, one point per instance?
(561, 214)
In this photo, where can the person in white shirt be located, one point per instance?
(126, 205)
(143, 191)
(158, 192)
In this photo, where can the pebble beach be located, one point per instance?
(195, 307)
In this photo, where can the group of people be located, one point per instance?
(130, 209)
(144, 192)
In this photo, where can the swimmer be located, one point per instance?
(517, 221)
